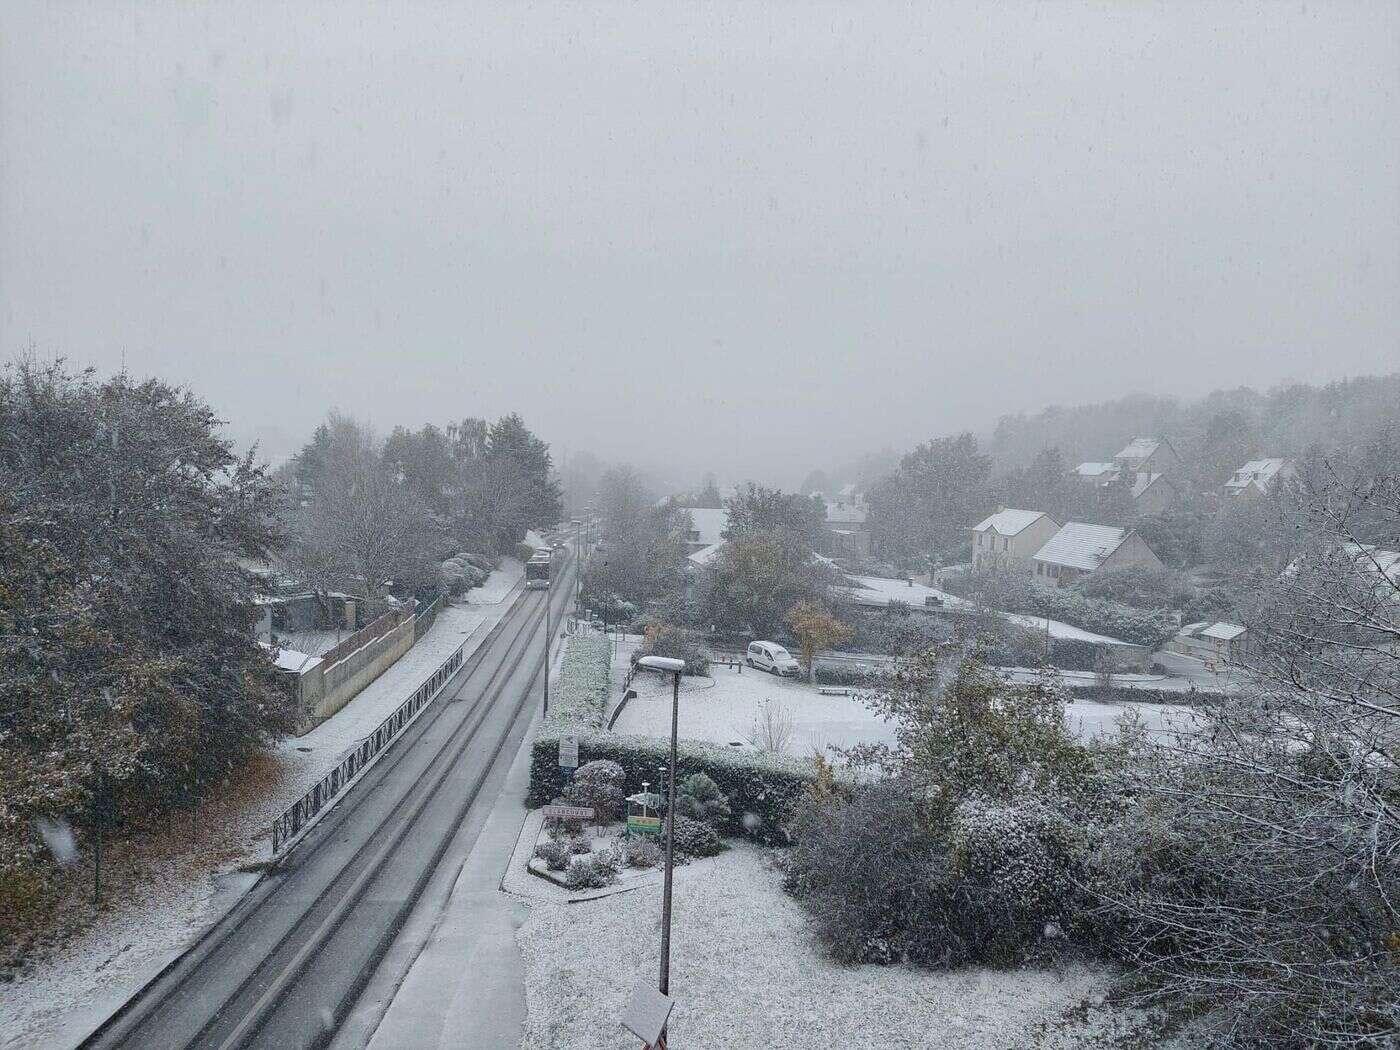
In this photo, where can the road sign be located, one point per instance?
(647, 1012)
(569, 812)
(568, 752)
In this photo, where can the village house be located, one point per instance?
(707, 525)
(1079, 548)
(1096, 473)
(1257, 477)
(1213, 643)
(1148, 455)
(1152, 493)
(846, 528)
(1009, 538)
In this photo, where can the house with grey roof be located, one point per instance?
(1080, 548)
(1213, 643)
(1257, 477)
(1009, 538)
(1149, 455)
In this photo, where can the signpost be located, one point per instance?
(569, 812)
(568, 752)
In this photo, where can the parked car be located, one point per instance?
(772, 657)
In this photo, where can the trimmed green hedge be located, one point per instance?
(760, 787)
(1120, 694)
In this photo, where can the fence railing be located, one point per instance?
(376, 628)
(301, 812)
(424, 619)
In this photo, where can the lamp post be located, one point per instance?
(578, 566)
(674, 668)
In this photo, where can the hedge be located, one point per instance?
(579, 698)
(760, 787)
(1120, 694)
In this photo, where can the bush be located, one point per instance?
(588, 874)
(679, 644)
(579, 847)
(554, 854)
(695, 838)
(580, 698)
(760, 787)
(700, 799)
(846, 674)
(598, 784)
(610, 607)
(640, 851)
(1138, 586)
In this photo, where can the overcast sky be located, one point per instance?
(750, 237)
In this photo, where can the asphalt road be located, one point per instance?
(285, 967)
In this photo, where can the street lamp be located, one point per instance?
(674, 668)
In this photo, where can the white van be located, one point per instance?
(770, 656)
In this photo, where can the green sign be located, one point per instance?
(647, 825)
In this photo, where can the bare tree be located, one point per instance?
(771, 728)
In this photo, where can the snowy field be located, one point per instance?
(167, 888)
(746, 972)
(724, 708)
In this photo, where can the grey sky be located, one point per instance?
(753, 237)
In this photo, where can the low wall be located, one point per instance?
(324, 689)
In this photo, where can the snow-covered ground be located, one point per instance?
(722, 709)
(167, 889)
(879, 591)
(746, 972)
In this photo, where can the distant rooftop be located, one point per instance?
(1080, 545)
(1095, 470)
(1139, 448)
(1010, 522)
(709, 522)
(1257, 472)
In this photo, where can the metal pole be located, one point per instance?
(97, 858)
(547, 592)
(670, 840)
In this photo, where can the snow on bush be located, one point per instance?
(640, 851)
(699, 798)
(588, 873)
(695, 838)
(1019, 853)
(598, 784)
(580, 697)
(555, 855)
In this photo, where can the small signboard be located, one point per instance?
(568, 752)
(647, 1012)
(569, 812)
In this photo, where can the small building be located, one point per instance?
(1009, 538)
(1213, 643)
(1257, 477)
(1096, 473)
(1080, 548)
(1152, 494)
(846, 528)
(707, 525)
(1149, 455)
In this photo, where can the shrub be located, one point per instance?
(588, 874)
(554, 854)
(846, 674)
(695, 838)
(640, 851)
(579, 847)
(579, 699)
(1137, 585)
(699, 798)
(679, 644)
(598, 784)
(760, 787)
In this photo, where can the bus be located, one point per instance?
(537, 570)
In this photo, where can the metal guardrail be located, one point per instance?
(300, 813)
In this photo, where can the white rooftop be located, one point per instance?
(1139, 448)
(710, 522)
(1080, 545)
(842, 512)
(1256, 472)
(290, 659)
(1223, 632)
(704, 555)
(1010, 522)
(1095, 470)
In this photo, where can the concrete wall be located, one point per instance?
(325, 690)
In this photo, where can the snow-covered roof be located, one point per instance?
(1257, 472)
(1143, 481)
(1139, 448)
(1010, 522)
(709, 522)
(845, 513)
(1095, 470)
(1374, 559)
(290, 659)
(704, 555)
(1223, 632)
(1079, 545)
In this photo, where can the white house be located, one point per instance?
(1149, 455)
(1152, 493)
(1219, 642)
(1009, 538)
(1080, 548)
(707, 525)
(1257, 476)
